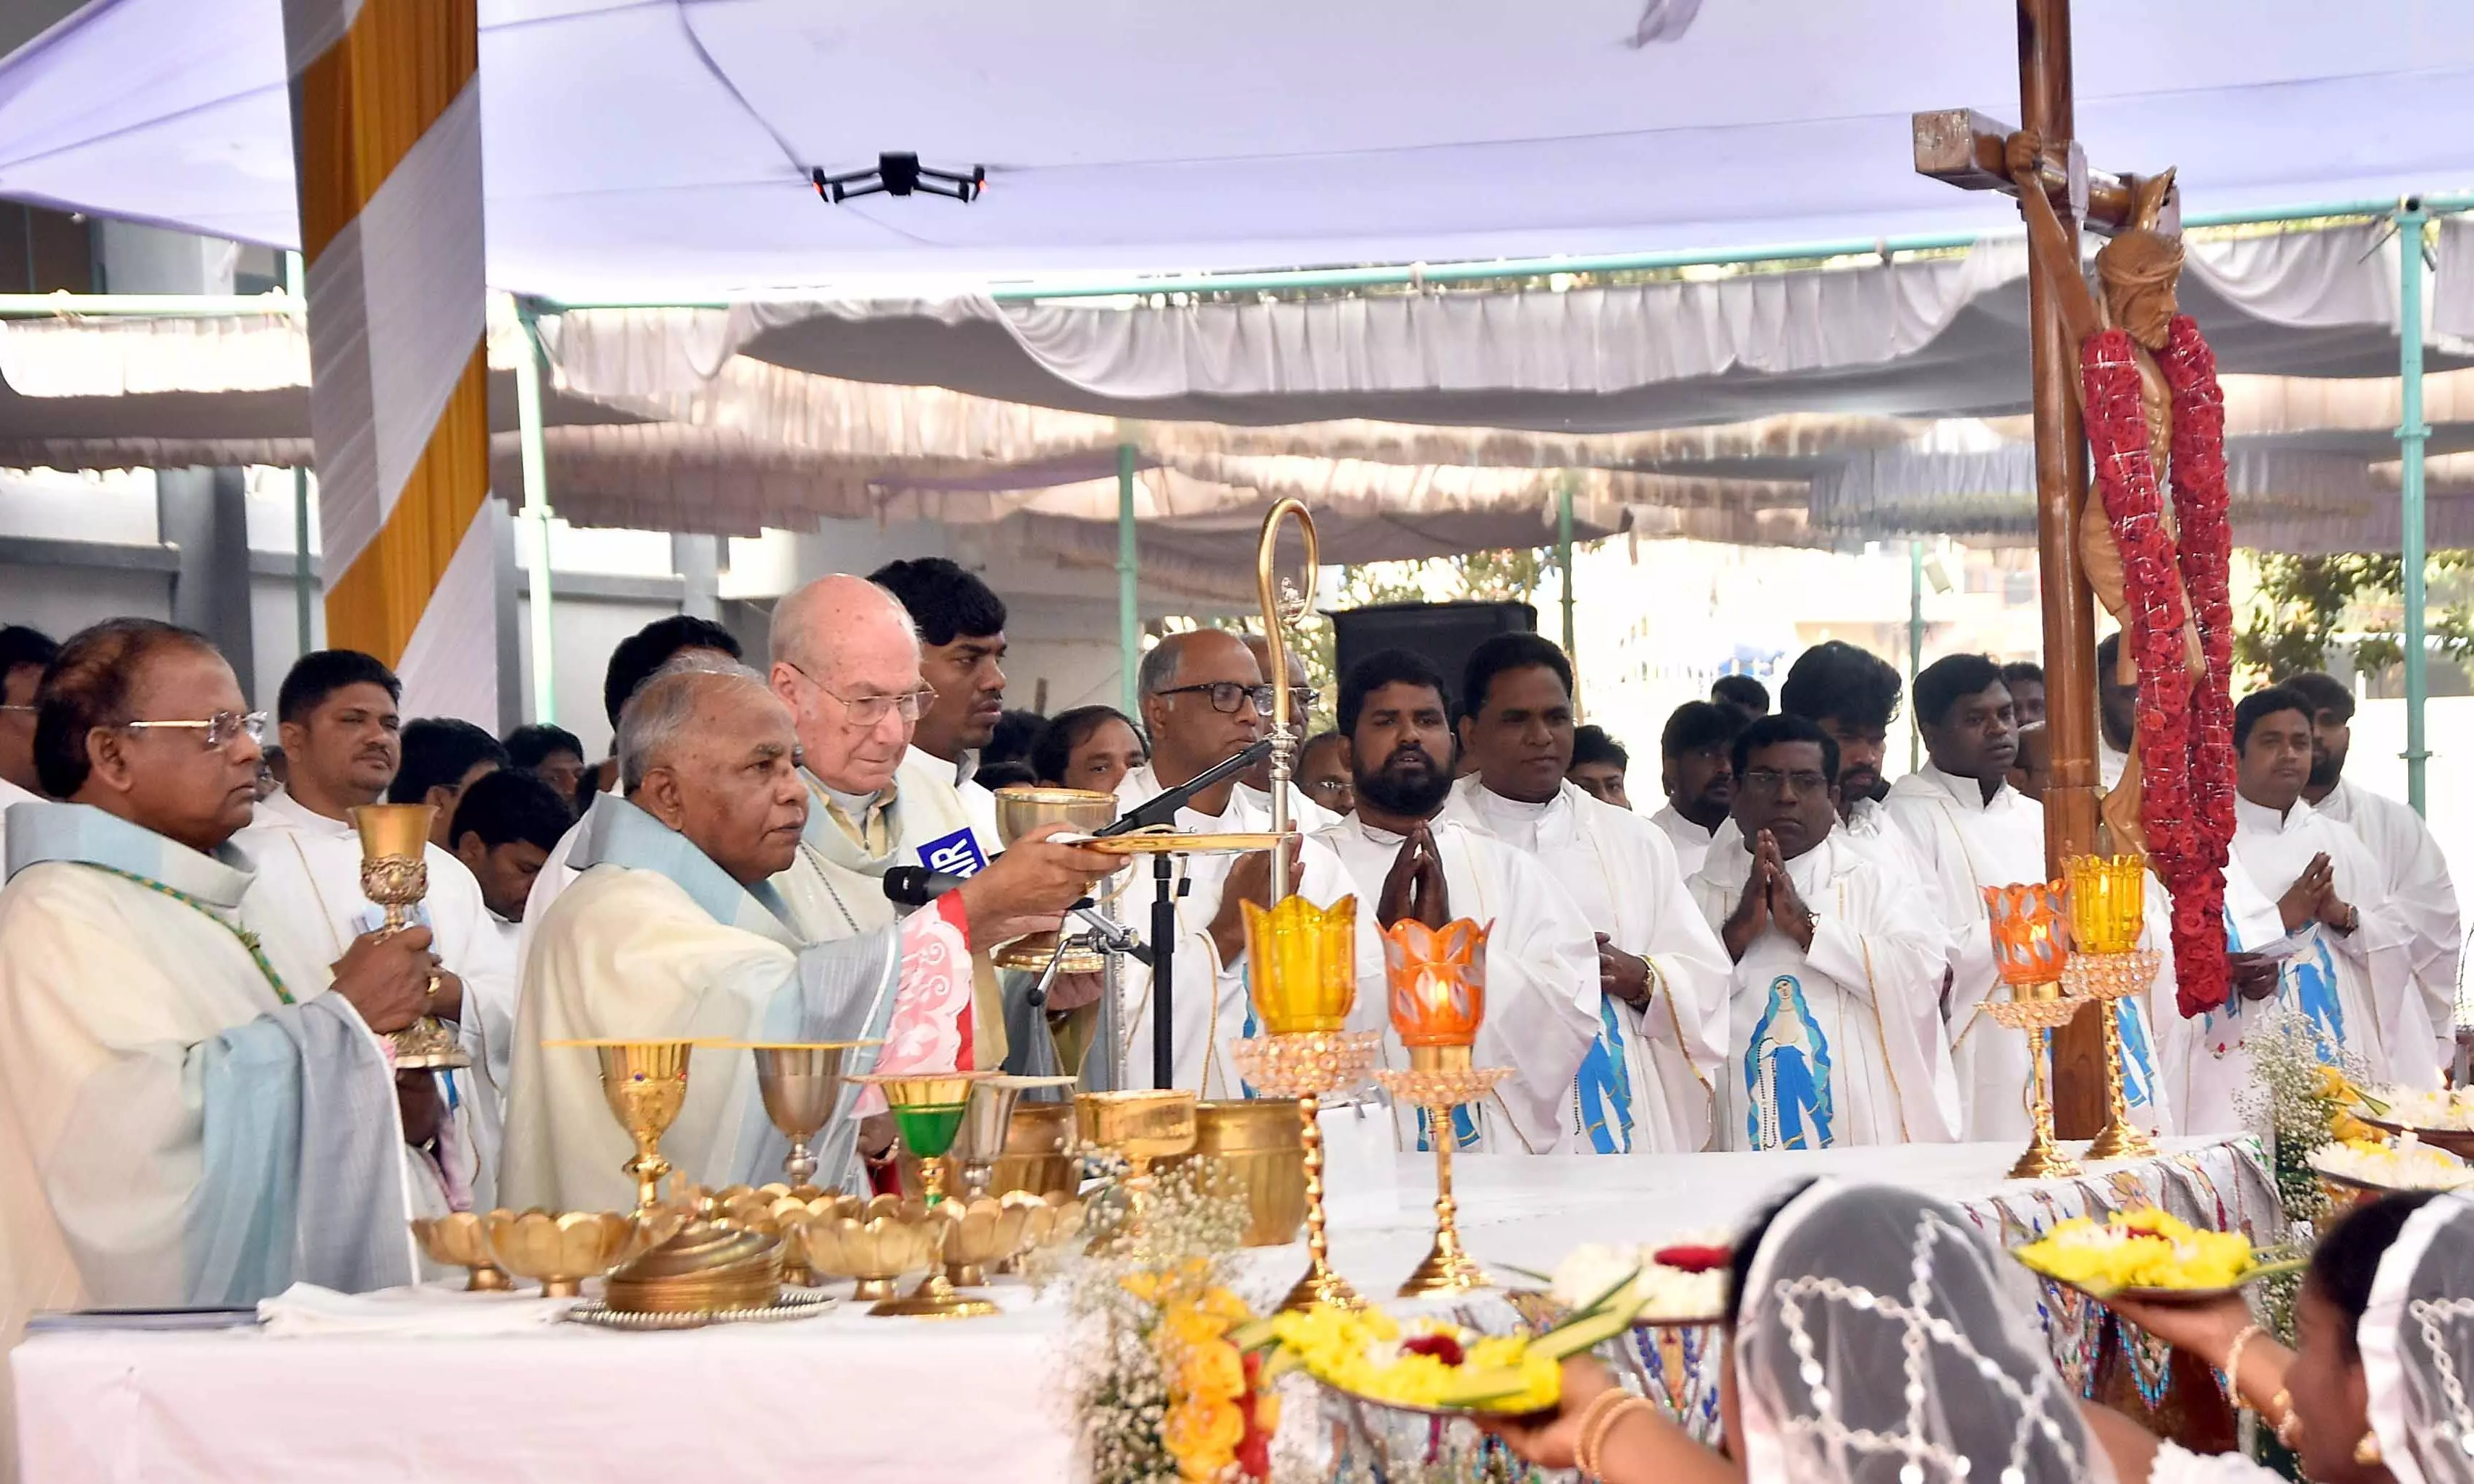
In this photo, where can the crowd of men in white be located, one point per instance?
(194, 993)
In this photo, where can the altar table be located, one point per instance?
(861, 1400)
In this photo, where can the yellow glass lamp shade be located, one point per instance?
(2031, 933)
(2108, 901)
(1437, 980)
(1303, 962)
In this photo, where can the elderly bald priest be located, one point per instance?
(675, 932)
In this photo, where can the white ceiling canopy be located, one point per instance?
(660, 149)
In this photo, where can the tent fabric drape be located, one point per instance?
(1915, 336)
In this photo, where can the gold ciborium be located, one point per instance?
(1021, 810)
(1436, 978)
(461, 1241)
(645, 1084)
(2031, 926)
(801, 1083)
(559, 1249)
(2108, 912)
(988, 1125)
(928, 1109)
(395, 874)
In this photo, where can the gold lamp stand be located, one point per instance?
(1438, 1079)
(2031, 923)
(2043, 1159)
(2108, 911)
(1309, 1066)
(395, 874)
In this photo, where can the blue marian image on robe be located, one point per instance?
(1603, 1088)
(2313, 981)
(1786, 1074)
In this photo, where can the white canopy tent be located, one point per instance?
(661, 152)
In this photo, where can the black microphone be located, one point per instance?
(916, 885)
(1163, 809)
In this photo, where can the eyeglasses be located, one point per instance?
(869, 709)
(216, 731)
(1329, 788)
(28, 709)
(1226, 695)
(1767, 780)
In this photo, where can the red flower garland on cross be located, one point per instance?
(2185, 732)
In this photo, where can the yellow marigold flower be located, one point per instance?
(1199, 1429)
(1221, 1303)
(1214, 1371)
(2142, 1248)
(1190, 1327)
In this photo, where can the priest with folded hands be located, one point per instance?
(675, 931)
(187, 1117)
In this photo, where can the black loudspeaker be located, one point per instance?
(1443, 633)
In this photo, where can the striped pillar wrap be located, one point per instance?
(386, 126)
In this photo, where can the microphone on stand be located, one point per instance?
(1162, 810)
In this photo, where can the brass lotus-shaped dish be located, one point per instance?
(561, 1249)
(875, 1245)
(984, 1231)
(462, 1241)
(1065, 1216)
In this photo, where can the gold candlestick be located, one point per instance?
(1438, 1079)
(1309, 1066)
(2109, 979)
(2108, 911)
(395, 874)
(2031, 926)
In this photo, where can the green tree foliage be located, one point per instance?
(2304, 601)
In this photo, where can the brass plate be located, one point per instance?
(792, 1304)
(1173, 843)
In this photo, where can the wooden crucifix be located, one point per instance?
(1974, 152)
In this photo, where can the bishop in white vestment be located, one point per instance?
(186, 1116)
(1836, 1031)
(674, 932)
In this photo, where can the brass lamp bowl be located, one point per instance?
(984, 1231)
(560, 1249)
(1260, 1146)
(1065, 1214)
(1037, 1152)
(885, 1240)
(462, 1241)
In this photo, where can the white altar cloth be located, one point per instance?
(899, 1400)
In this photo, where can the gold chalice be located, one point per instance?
(928, 1111)
(560, 1249)
(1140, 1127)
(645, 1084)
(1022, 810)
(802, 1084)
(395, 874)
(461, 1241)
(988, 1125)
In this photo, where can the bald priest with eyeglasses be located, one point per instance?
(187, 1117)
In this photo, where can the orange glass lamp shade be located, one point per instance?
(1437, 980)
(2031, 932)
(2108, 902)
(1302, 961)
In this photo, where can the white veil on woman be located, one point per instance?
(1876, 1346)
(2417, 1339)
